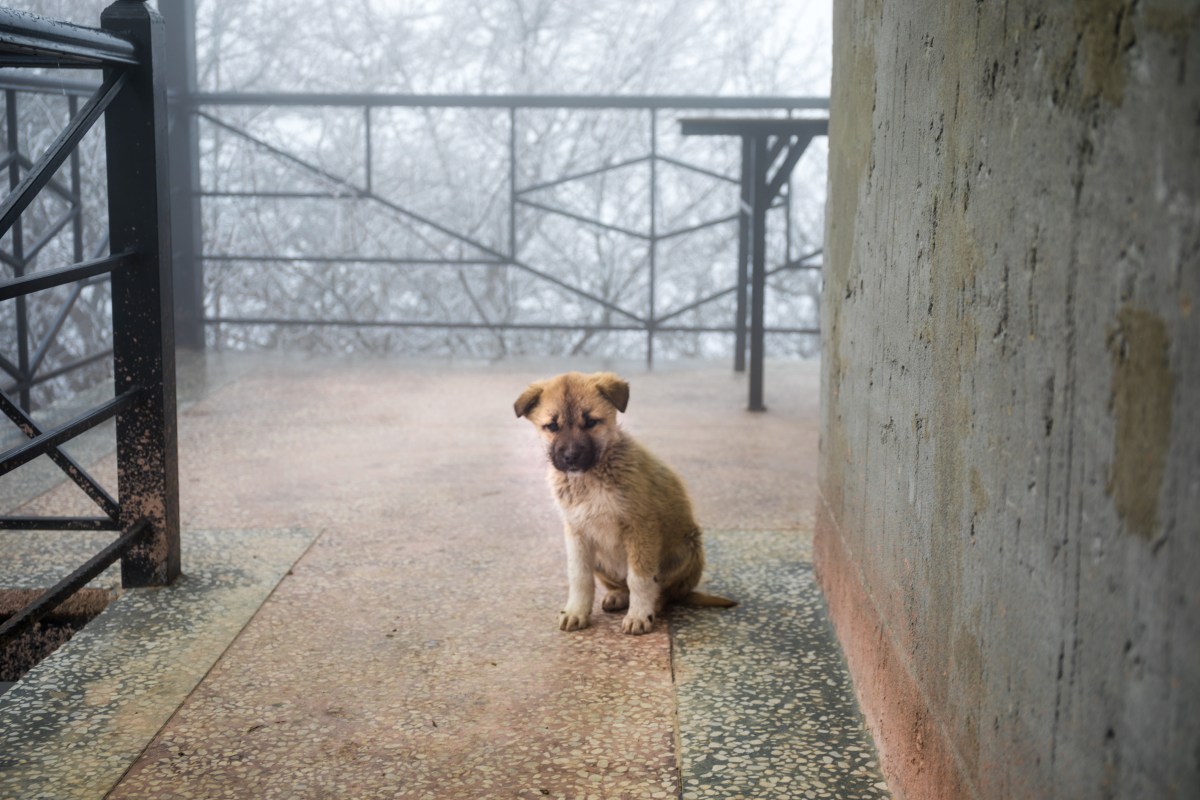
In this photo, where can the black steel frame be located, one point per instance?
(770, 150)
(29, 370)
(131, 99)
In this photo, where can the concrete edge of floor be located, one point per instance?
(765, 704)
(78, 720)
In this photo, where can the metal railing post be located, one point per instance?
(743, 256)
(142, 302)
(184, 145)
(76, 191)
(651, 319)
(18, 253)
(512, 184)
(787, 211)
(368, 150)
(758, 270)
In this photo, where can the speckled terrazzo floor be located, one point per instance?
(412, 651)
(73, 725)
(765, 704)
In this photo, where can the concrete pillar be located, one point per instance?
(1009, 534)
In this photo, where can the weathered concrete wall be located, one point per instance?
(1009, 537)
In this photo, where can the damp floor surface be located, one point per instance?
(374, 568)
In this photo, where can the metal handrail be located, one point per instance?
(29, 40)
(682, 102)
(650, 322)
(43, 84)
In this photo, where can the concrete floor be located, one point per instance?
(411, 649)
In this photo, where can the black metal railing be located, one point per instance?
(42, 359)
(644, 302)
(207, 310)
(650, 317)
(131, 100)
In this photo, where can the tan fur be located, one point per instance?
(628, 519)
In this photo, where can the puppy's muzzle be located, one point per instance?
(573, 456)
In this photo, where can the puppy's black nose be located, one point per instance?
(574, 457)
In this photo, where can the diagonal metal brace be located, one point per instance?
(53, 597)
(64, 461)
(795, 150)
(58, 151)
(45, 443)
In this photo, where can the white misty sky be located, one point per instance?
(764, 47)
(722, 47)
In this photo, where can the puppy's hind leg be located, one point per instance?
(617, 596)
(615, 600)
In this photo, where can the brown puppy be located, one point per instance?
(628, 517)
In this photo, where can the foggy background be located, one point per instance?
(274, 241)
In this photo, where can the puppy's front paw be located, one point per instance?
(569, 620)
(637, 624)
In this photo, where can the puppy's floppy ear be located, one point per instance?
(528, 399)
(615, 390)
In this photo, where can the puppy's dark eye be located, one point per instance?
(588, 422)
(552, 426)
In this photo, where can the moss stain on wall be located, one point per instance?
(1106, 33)
(1142, 388)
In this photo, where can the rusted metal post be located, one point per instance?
(142, 302)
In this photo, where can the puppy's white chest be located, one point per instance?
(595, 514)
(598, 523)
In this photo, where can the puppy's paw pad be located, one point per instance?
(637, 625)
(615, 601)
(568, 621)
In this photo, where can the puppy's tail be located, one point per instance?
(702, 600)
